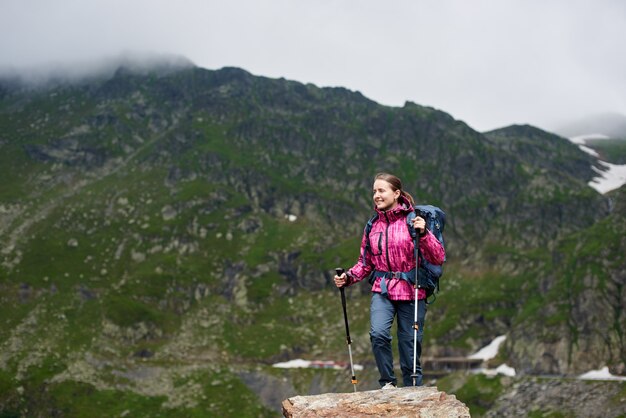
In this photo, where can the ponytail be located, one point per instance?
(408, 197)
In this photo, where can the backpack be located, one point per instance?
(435, 218)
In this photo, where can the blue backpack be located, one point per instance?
(429, 274)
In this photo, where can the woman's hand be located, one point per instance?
(419, 224)
(340, 281)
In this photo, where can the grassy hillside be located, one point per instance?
(166, 237)
(611, 150)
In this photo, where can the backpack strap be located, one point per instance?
(366, 233)
(409, 224)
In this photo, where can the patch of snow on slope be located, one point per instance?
(614, 176)
(489, 351)
(601, 374)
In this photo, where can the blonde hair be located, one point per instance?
(396, 184)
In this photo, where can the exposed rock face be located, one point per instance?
(561, 397)
(421, 402)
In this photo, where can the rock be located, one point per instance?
(137, 256)
(560, 397)
(168, 213)
(422, 401)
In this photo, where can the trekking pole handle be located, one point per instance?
(339, 271)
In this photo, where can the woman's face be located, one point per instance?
(385, 197)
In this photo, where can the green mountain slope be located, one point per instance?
(576, 314)
(166, 235)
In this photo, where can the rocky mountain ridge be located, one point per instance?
(167, 233)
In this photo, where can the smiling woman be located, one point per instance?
(388, 254)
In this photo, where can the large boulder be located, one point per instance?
(401, 402)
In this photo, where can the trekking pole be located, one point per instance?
(416, 325)
(339, 272)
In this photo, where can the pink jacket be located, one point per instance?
(391, 249)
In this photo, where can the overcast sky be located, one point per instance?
(490, 63)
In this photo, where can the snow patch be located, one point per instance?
(315, 364)
(489, 351)
(502, 369)
(601, 374)
(612, 179)
(590, 152)
(292, 364)
(580, 139)
(614, 176)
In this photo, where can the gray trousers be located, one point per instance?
(382, 313)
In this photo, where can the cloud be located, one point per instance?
(490, 63)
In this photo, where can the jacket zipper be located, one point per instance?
(387, 242)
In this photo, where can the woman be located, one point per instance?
(391, 251)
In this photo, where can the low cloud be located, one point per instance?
(77, 71)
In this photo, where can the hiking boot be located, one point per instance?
(388, 385)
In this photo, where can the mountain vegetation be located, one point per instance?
(169, 234)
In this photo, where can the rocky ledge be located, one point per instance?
(401, 402)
